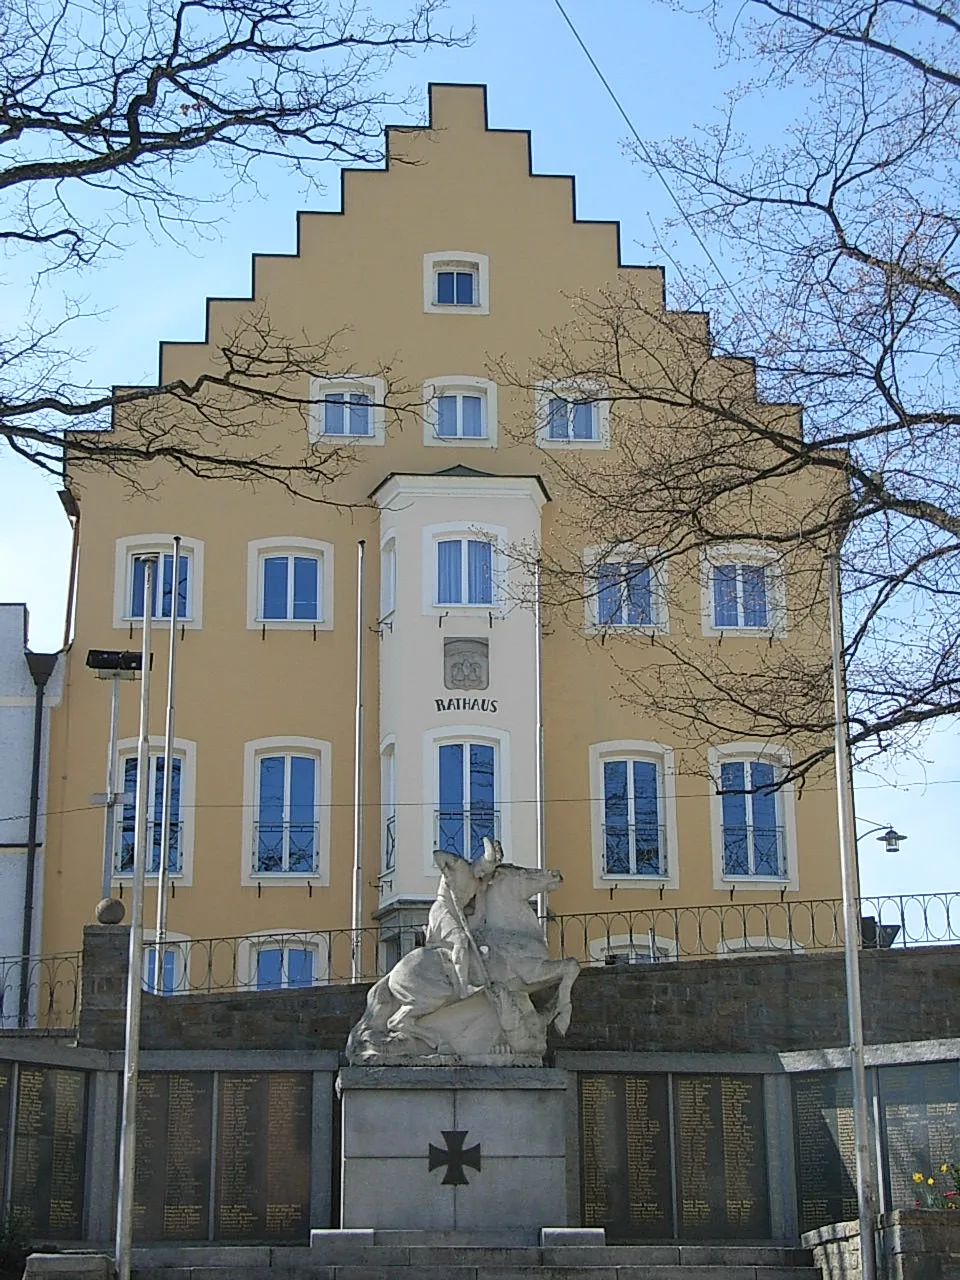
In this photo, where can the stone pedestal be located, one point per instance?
(465, 1149)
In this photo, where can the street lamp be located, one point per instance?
(115, 665)
(866, 1179)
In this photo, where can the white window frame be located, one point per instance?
(261, 549)
(141, 544)
(249, 947)
(456, 260)
(596, 556)
(252, 752)
(433, 740)
(127, 749)
(347, 384)
(634, 749)
(496, 535)
(456, 384)
(786, 800)
(744, 553)
(544, 392)
(388, 575)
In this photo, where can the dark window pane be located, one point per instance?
(584, 417)
(306, 578)
(557, 423)
(639, 597)
(299, 967)
(725, 595)
(269, 969)
(472, 417)
(609, 600)
(446, 295)
(479, 572)
(275, 570)
(333, 415)
(754, 580)
(446, 415)
(448, 572)
(465, 288)
(359, 415)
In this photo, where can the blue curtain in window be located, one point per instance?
(609, 595)
(451, 817)
(270, 796)
(446, 289)
(725, 596)
(646, 818)
(583, 419)
(766, 843)
(638, 592)
(275, 570)
(448, 572)
(479, 572)
(303, 813)
(306, 582)
(482, 797)
(269, 969)
(472, 417)
(359, 414)
(754, 579)
(299, 967)
(446, 415)
(616, 818)
(558, 427)
(736, 861)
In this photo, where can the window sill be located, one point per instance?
(462, 442)
(467, 608)
(766, 633)
(455, 309)
(295, 878)
(748, 879)
(326, 437)
(544, 443)
(627, 628)
(290, 624)
(191, 624)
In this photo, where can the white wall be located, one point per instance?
(411, 663)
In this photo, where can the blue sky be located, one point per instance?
(664, 65)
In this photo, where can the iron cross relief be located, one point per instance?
(454, 1158)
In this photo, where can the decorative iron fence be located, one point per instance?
(284, 959)
(52, 992)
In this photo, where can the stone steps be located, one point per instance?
(392, 1259)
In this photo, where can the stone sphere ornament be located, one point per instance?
(110, 911)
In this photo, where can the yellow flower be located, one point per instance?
(918, 1177)
(931, 1181)
(944, 1168)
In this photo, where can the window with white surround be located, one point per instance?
(348, 409)
(455, 281)
(289, 584)
(388, 577)
(460, 410)
(278, 961)
(570, 416)
(467, 796)
(624, 590)
(633, 813)
(286, 810)
(129, 594)
(753, 815)
(181, 815)
(743, 591)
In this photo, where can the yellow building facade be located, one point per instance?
(450, 260)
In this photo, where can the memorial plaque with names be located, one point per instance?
(721, 1157)
(625, 1160)
(825, 1148)
(920, 1114)
(171, 1189)
(49, 1144)
(263, 1156)
(6, 1078)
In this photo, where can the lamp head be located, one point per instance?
(891, 840)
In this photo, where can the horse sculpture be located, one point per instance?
(418, 1012)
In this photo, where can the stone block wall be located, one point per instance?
(740, 1004)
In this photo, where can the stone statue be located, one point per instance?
(464, 996)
